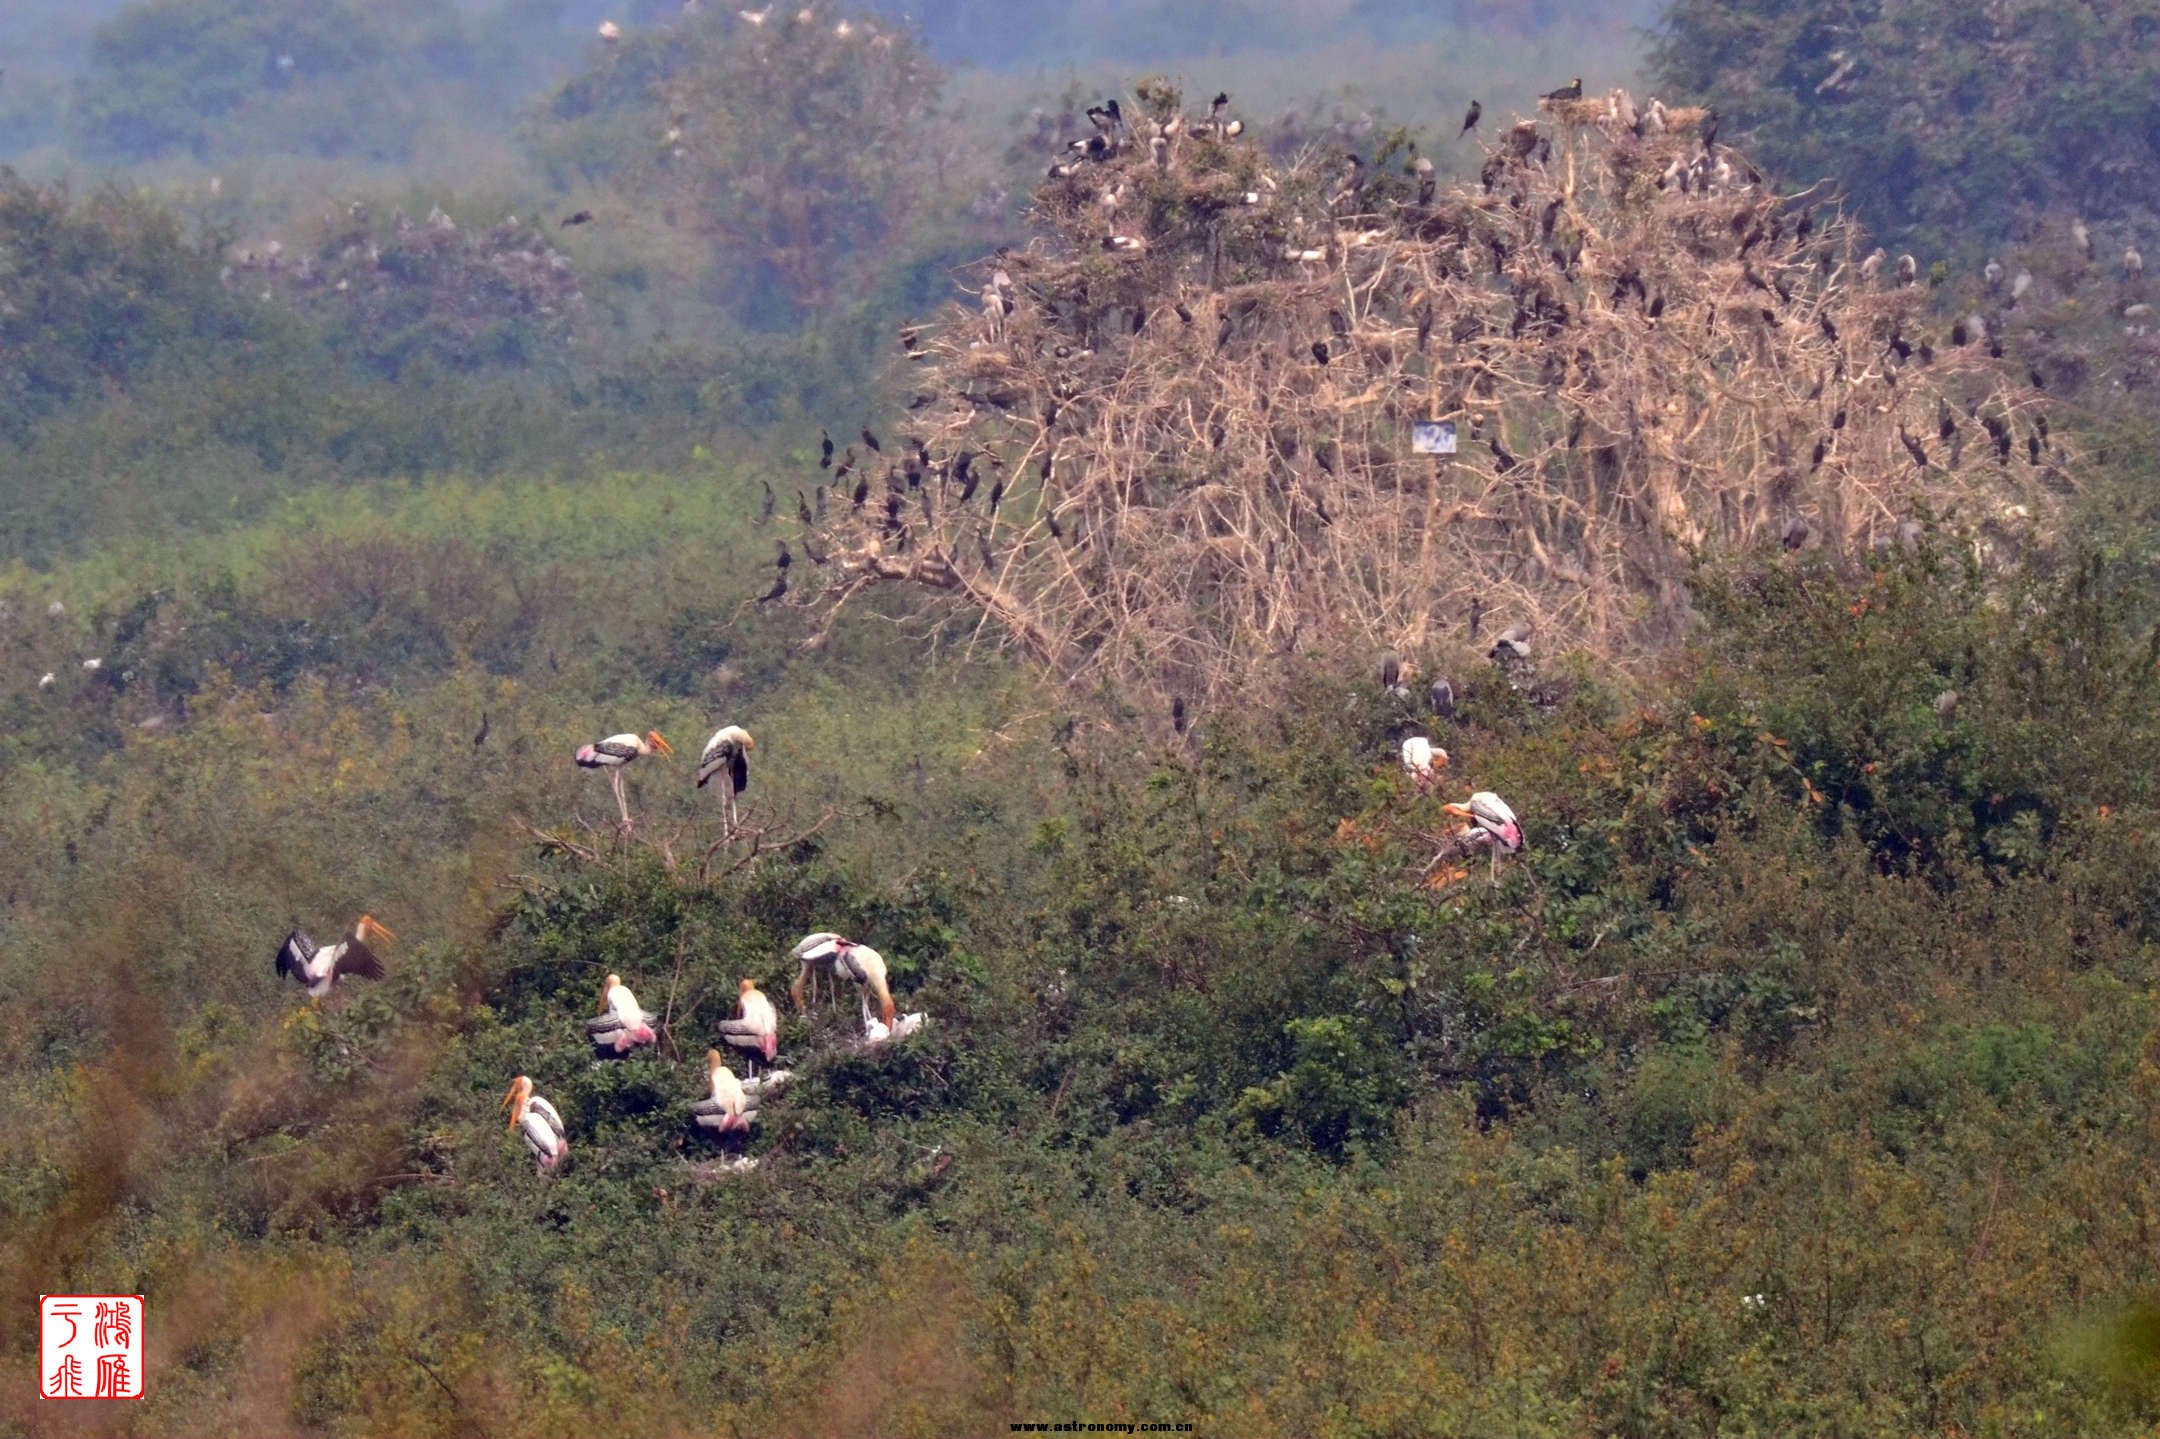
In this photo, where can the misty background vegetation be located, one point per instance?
(1799, 1078)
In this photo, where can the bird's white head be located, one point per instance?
(518, 1099)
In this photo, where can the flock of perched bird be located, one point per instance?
(623, 1026)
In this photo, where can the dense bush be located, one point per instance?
(1783, 1017)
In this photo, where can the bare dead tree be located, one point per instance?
(1169, 441)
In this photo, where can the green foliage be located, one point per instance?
(99, 292)
(1959, 122)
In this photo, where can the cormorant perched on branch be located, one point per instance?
(1470, 118)
(1572, 90)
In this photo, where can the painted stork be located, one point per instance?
(1491, 823)
(728, 1108)
(829, 954)
(756, 1028)
(542, 1126)
(812, 952)
(1422, 760)
(621, 1025)
(319, 969)
(617, 752)
(727, 754)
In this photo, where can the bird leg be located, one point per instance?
(621, 803)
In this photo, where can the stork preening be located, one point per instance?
(622, 1025)
(540, 1125)
(1422, 760)
(831, 956)
(617, 752)
(814, 953)
(320, 968)
(755, 1030)
(1492, 823)
(727, 754)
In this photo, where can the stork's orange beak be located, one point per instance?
(517, 1091)
(369, 924)
(1461, 810)
(659, 742)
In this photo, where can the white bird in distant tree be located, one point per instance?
(755, 1030)
(622, 1025)
(727, 755)
(542, 1126)
(617, 751)
(610, 31)
(1422, 760)
(320, 968)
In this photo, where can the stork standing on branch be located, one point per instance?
(831, 956)
(727, 755)
(1492, 823)
(615, 753)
